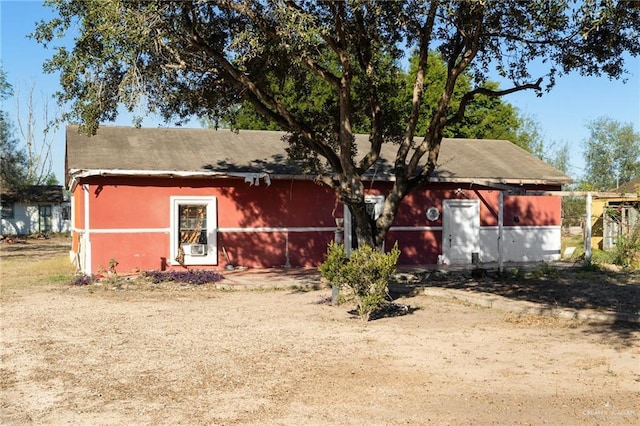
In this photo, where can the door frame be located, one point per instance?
(448, 229)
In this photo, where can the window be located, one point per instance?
(192, 221)
(45, 221)
(65, 213)
(193, 231)
(7, 210)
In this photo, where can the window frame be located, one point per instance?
(211, 258)
(9, 206)
(65, 212)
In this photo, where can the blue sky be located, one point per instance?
(562, 114)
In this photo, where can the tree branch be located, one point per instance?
(418, 89)
(466, 48)
(487, 92)
(365, 58)
(345, 136)
(321, 71)
(264, 102)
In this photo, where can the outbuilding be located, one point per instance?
(615, 214)
(35, 210)
(166, 198)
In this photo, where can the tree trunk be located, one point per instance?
(351, 190)
(391, 205)
(363, 225)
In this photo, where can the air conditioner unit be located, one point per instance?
(198, 250)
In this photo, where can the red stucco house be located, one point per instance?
(161, 198)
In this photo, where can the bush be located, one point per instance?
(336, 259)
(363, 278)
(84, 280)
(627, 250)
(191, 276)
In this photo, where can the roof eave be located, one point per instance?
(76, 174)
(502, 181)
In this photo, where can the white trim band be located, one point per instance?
(299, 229)
(415, 228)
(522, 228)
(129, 231)
(283, 229)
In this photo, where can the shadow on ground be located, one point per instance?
(552, 286)
(13, 248)
(614, 292)
(622, 333)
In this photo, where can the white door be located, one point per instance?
(461, 230)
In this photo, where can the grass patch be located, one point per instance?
(598, 257)
(573, 241)
(18, 274)
(602, 257)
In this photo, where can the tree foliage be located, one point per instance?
(612, 154)
(205, 58)
(485, 118)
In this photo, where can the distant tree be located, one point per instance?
(204, 58)
(559, 157)
(12, 160)
(612, 154)
(27, 163)
(529, 135)
(573, 208)
(37, 130)
(5, 88)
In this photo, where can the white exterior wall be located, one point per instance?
(521, 243)
(25, 220)
(58, 223)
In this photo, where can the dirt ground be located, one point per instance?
(180, 354)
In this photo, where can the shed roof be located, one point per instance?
(121, 150)
(633, 186)
(35, 194)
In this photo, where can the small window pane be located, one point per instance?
(193, 224)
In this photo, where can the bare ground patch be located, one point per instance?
(197, 355)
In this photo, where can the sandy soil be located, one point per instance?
(179, 354)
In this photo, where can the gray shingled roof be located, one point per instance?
(628, 187)
(116, 148)
(35, 194)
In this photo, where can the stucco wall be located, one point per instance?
(288, 223)
(259, 226)
(521, 243)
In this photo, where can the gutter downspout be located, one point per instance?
(86, 237)
(500, 230)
